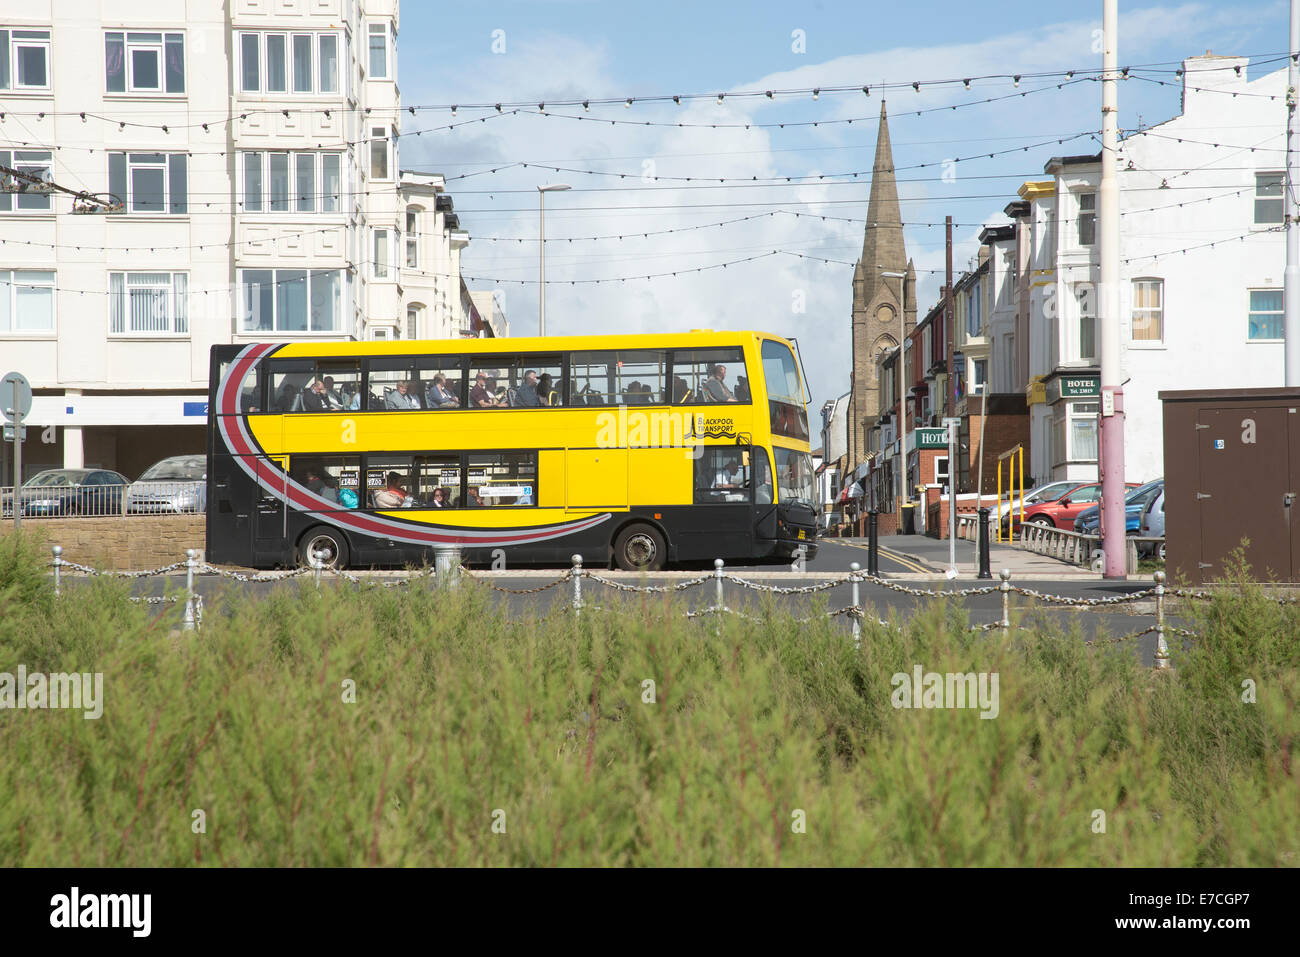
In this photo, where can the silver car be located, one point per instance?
(1152, 524)
(176, 485)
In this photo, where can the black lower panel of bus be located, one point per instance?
(268, 537)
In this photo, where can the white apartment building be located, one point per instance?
(487, 316)
(254, 149)
(432, 242)
(1201, 265)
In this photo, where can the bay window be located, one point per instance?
(1074, 433)
(291, 300)
(380, 259)
(300, 182)
(269, 62)
(143, 303)
(1087, 219)
(378, 36)
(378, 153)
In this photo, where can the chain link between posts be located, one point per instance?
(193, 602)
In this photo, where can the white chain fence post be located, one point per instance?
(577, 585)
(191, 556)
(315, 557)
(58, 564)
(854, 568)
(1005, 589)
(1162, 648)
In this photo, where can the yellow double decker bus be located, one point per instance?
(637, 450)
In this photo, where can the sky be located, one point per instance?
(536, 51)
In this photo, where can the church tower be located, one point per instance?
(878, 301)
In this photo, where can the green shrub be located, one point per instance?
(465, 720)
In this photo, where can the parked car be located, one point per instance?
(174, 485)
(58, 492)
(1153, 524)
(1089, 520)
(1009, 511)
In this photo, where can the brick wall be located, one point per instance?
(122, 544)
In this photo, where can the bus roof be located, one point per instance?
(541, 344)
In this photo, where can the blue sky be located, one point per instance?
(577, 49)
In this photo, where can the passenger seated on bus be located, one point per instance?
(525, 397)
(439, 396)
(439, 499)
(742, 389)
(394, 495)
(321, 484)
(333, 398)
(547, 394)
(716, 387)
(479, 396)
(648, 394)
(399, 400)
(313, 397)
(286, 397)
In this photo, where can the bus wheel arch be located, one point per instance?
(325, 538)
(640, 545)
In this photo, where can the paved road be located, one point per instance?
(832, 562)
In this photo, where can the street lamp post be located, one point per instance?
(902, 367)
(541, 251)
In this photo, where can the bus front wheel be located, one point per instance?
(640, 548)
(328, 543)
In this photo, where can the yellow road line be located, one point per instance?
(906, 561)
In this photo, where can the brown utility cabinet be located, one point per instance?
(1232, 471)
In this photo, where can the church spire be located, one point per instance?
(882, 244)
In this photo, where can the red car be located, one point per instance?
(1062, 512)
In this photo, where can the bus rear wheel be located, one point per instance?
(328, 543)
(640, 548)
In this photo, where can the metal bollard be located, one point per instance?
(191, 556)
(577, 585)
(717, 581)
(1162, 648)
(854, 568)
(316, 563)
(58, 563)
(1005, 588)
(446, 562)
(873, 543)
(984, 544)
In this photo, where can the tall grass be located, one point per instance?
(466, 724)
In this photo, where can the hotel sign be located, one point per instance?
(1073, 387)
(931, 438)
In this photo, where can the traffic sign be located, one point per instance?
(15, 396)
(9, 433)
